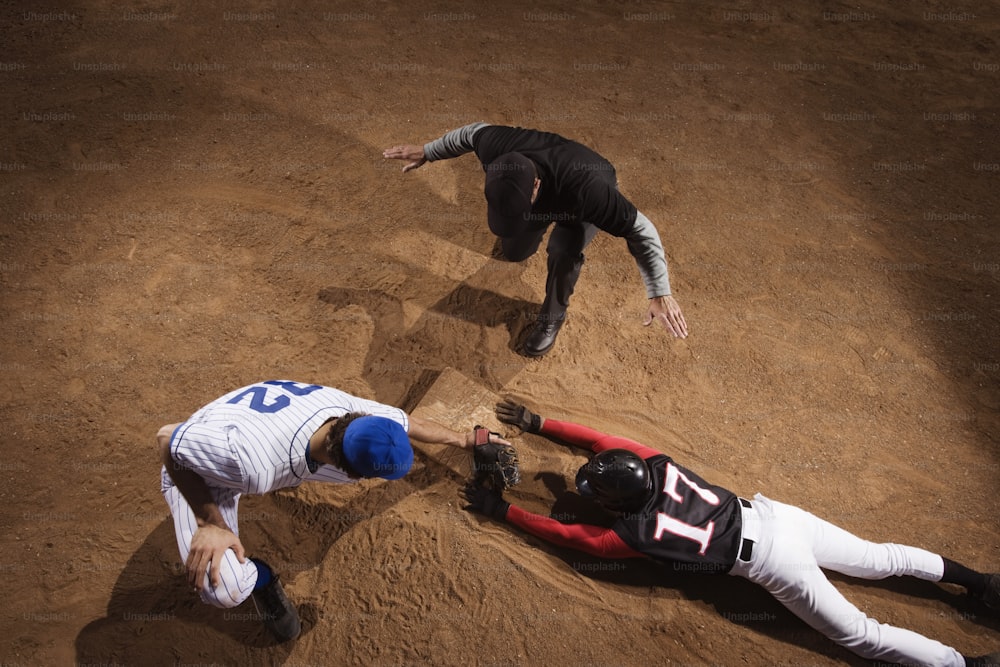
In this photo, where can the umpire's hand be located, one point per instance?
(664, 309)
(415, 155)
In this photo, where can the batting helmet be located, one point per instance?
(616, 478)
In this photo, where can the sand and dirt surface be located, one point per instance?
(193, 198)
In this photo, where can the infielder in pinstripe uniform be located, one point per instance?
(267, 436)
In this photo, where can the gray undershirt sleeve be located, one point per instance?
(644, 244)
(454, 143)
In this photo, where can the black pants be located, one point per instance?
(565, 249)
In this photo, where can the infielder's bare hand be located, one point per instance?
(664, 309)
(415, 155)
(208, 546)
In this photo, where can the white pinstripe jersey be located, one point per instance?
(254, 438)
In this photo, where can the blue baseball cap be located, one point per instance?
(378, 447)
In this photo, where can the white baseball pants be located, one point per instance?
(792, 545)
(236, 579)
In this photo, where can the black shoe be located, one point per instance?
(277, 611)
(991, 660)
(543, 336)
(991, 594)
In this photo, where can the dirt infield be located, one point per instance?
(194, 199)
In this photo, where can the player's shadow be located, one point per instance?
(958, 605)
(450, 333)
(487, 308)
(153, 617)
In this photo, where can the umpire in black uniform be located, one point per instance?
(535, 179)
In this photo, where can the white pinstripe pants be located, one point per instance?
(791, 545)
(236, 580)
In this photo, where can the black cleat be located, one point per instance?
(542, 337)
(991, 660)
(991, 594)
(277, 611)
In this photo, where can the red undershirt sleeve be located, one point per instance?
(588, 438)
(594, 540)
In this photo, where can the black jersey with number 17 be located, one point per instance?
(689, 523)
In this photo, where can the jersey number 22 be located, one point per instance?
(258, 395)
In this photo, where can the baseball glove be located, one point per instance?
(494, 465)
